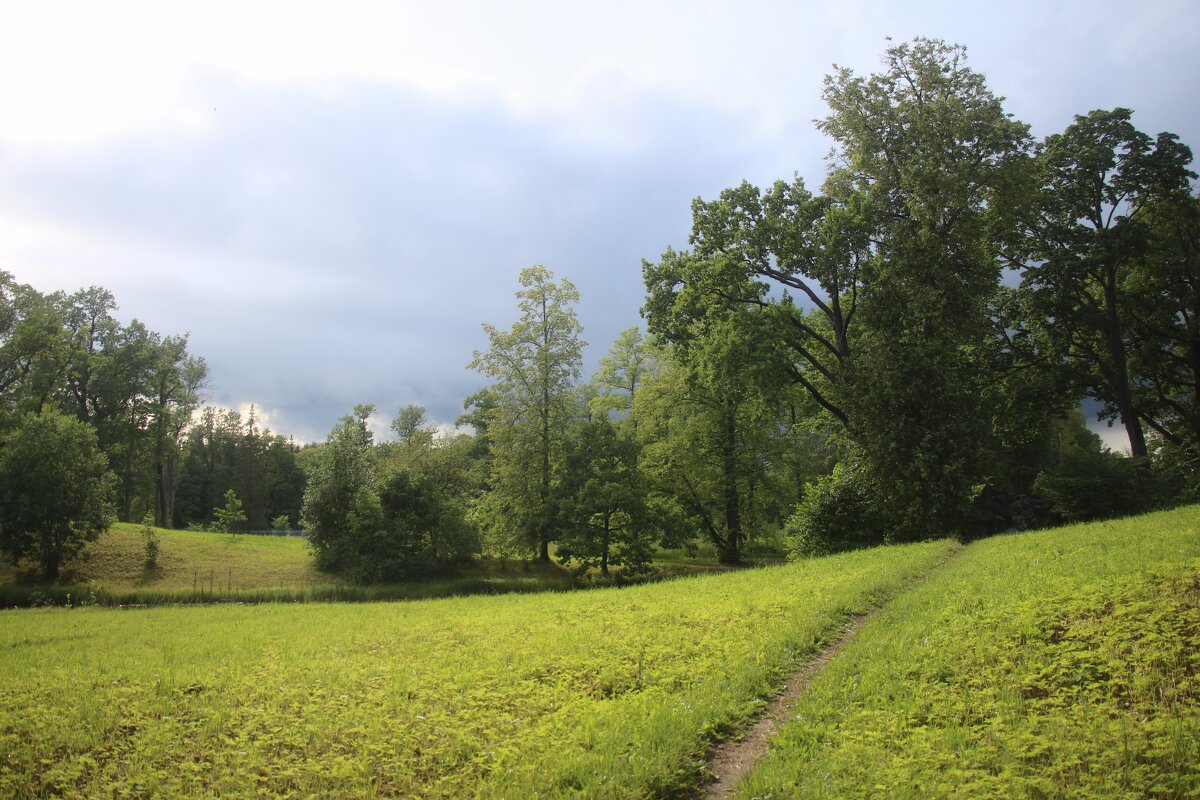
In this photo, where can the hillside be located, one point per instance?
(187, 559)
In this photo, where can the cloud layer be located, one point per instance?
(332, 204)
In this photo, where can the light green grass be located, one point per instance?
(116, 561)
(1060, 663)
(219, 567)
(606, 693)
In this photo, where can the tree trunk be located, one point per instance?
(1116, 351)
(604, 547)
(731, 552)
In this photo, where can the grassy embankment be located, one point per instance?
(608, 693)
(1061, 663)
(217, 567)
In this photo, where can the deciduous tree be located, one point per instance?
(535, 365)
(55, 490)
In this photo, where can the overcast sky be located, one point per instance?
(330, 199)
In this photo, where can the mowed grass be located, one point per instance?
(605, 693)
(117, 561)
(1061, 663)
(202, 567)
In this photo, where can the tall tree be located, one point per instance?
(535, 365)
(1164, 319)
(710, 418)
(938, 167)
(1087, 252)
(341, 483)
(880, 290)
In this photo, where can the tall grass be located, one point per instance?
(1062, 663)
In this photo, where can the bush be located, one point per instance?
(837, 513)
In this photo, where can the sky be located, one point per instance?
(330, 199)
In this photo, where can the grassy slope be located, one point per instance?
(116, 561)
(1061, 663)
(194, 566)
(610, 693)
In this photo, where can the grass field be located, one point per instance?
(605, 693)
(219, 567)
(1061, 663)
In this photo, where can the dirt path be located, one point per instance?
(731, 760)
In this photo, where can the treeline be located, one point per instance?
(900, 355)
(102, 421)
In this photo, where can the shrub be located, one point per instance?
(837, 513)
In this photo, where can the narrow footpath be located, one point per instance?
(730, 760)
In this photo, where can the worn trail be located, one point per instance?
(731, 760)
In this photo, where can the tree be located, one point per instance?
(939, 170)
(535, 365)
(411, 427)
(55, 491)
(232, 516)
(621, 373)
(341, 484)
(880, 290)
(602, 501)
(710, 419)
(1164, 318)
(1090, 283)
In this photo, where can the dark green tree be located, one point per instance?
(55, 491)
(340, 491)
(602, 502)
(1093, 286)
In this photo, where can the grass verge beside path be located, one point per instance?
(608, 693)
(1061, 663)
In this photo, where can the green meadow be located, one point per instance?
(200, 567)
(604, 693)
(1060, 663)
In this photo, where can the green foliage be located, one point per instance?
(223, 451)
(1089, 484)
(1056, 663)
(341, 484)
(151, 542)
(837, 513)
(55, 491)
(231, 517)
(621, 373)
(602, 502)
(373, 529)
(1106, 293)
(606, 693)
(535, 365)
(410, 426)
(281, 523)
(134, 387)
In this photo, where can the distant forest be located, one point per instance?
(901, 355)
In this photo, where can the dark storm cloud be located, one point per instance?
(332, 247)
